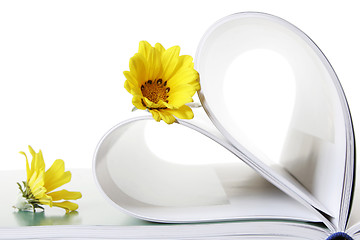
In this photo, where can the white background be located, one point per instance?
(61, 62)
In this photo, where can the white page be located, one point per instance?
(172, 191)
(354, 217)
(315, 101)
(230, 230)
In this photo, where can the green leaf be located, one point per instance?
(134, 109)
(22, 191)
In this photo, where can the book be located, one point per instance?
(310, 179)
(216, 177)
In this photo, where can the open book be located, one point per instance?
(270, 158)
(203, 171)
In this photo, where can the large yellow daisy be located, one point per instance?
(38, 188)
(162, 82)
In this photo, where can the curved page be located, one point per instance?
(269, 90)
(173, 173)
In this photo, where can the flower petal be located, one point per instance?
(138, 68)
(33, 154)
(160, 48)
(68, 206)
(39, 161)
(38, 193)
(134, 90)
(185, 61)
(131, 84)
(155, 114)
(182, 88)
(46, 200)
(163, 105)
(36, 180)
(170, 60)
(153, 60)
(65, 195)
(57, 181)
(180, 98)
(185, 76)
(137, 102)
(144, 48)
(31, 150)
(150, 104)
(55, 171)
(166, 116)
(28, 171)
(154, 65)
(184, 112)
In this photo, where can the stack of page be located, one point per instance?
(236, 171)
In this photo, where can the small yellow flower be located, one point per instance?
(39, 185)
(162, 82)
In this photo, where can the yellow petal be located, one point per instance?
(36, 180)
(154, 67)
(145, 48)
(166, 116)
(180, 98)
(36, 184)
(64, 195)
(155, 114)
(39, 193)
(153, 60)
(68, 206)
(28, 171)
(164, 105)
(31, 151)
(137, 102)
(55, 171)
(185, 76)
(185, 61)
(33, 154)
(39, 161)
(182, 88)
(46, 200)
(57, 181)
(151, 105)
(183, 112)
(160, 48)
(170, 60)
(138, 68)
(131, 84)
(128, 86)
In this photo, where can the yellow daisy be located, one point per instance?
(162, 82)
(39, 186)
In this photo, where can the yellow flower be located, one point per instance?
(39, 185)
(162, 82)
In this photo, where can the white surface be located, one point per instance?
(61, 62)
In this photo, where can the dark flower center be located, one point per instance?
(155, 90)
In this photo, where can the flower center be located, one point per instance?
(155, 90)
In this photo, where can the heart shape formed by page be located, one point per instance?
(261, 79)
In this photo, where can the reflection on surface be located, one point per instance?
(25, 218)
